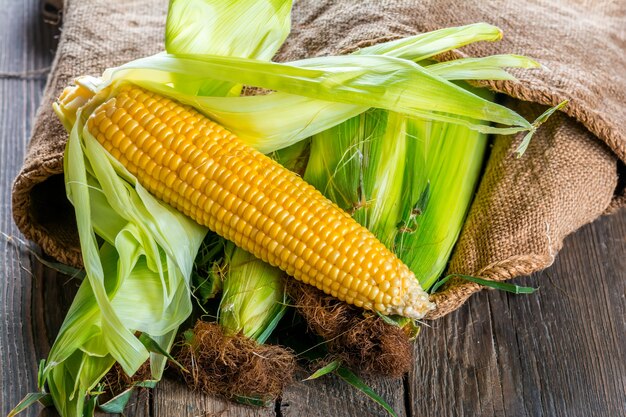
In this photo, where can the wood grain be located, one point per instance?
(559, 352)
(329, 395)
(172, 398)
(26, 51)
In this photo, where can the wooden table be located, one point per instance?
(559, 352)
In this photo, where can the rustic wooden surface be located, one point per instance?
(559, 352)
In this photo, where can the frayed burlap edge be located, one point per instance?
(33, 230)
(34, 174)
(457, 291)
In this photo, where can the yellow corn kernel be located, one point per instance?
(251, 200)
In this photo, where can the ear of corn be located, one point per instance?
(208, 174)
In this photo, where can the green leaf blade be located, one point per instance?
(498, 285)
(324, 370)
(30, 399)
(352, 379)
(117, 404)
(426, 45)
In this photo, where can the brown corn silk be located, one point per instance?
(524, 207)
(234, 366)
(365, 343)
(117, 381)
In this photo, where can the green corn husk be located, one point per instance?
(229, 356)
(444, 162)
(253, 299)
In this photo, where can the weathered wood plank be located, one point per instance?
(139, 405)
(331, 396)
(172, 398)
(559, 352)
(26, 51)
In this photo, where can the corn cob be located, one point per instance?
(206, 172)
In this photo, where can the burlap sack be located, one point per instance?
(524, 207)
